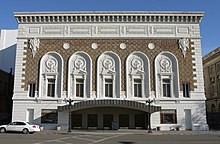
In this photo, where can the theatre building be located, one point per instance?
(109, 64)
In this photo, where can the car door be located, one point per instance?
(11, 126)
(20, 126)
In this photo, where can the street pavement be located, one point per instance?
(132, 131)
(112, 137)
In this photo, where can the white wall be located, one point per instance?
(8, 42)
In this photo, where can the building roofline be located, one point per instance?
(211, 54)
(110, 12)
(109, 16)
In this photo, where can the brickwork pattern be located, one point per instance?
(46, 45)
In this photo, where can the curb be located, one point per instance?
(127, 132)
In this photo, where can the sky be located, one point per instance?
(210, 25)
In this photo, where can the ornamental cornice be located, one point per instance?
(108, 17)
(213, 54)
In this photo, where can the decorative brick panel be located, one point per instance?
(47, 45)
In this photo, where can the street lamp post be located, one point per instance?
(70, 119)
(149, 114)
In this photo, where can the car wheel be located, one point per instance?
(2, 130)
(25, 131)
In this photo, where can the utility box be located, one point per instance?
(115, 125)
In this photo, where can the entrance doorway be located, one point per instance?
(76, 121)
(93, 120)
(123, 120)
(188, 119)
(107, 121)
(140, 121)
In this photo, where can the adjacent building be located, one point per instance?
(211, 63)
(109, 64)
(8, 43)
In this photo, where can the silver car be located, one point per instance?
(19, 126)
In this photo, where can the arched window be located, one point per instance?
(108, 75)
(51, 72)
(79, 75)
(166, 76)
(137, 76)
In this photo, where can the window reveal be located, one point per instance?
(166, 88)
(108, 88)
(51, 87)
(168, 117)
(186, 90)
(49, 116)
(32, 90)
(79, 88)
(137, 88)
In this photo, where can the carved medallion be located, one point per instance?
(123, 46)
(79, 63)
(151, 46)
(165, 65)
(66, 46)
(51, 65)
(108, 63)
(137, 65)
(94, 45)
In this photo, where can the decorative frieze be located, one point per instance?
(183, 30)
(164, 30)
(34, 30)
(52, 30)
(108, 30)
(80, 30)
(109, 24)
(136, 30)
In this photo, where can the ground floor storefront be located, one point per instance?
(109, 118)
(112, 114)
(107, 114)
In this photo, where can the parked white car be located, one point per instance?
(19, 126)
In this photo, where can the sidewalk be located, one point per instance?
(130, 131)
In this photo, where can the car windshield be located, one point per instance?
(29, 123)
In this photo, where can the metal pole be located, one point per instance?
(149, 115)
(70, 118)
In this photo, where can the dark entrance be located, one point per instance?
(92, 120)
(213, 120)
(107, 120)
(140, 120)
(76, 121)
(123, 120)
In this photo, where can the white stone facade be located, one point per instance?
(190, 112)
